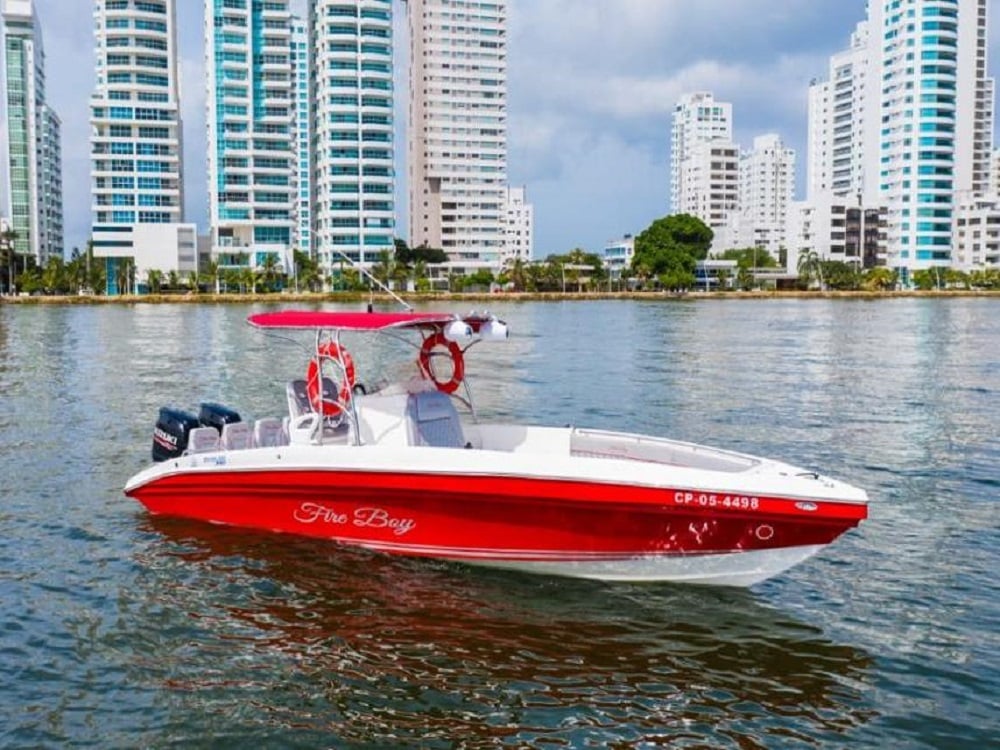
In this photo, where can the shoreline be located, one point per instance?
(419, 297)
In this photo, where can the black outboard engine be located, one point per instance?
(170, 436)
(217, 415)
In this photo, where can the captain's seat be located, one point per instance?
(434, 421)
(298, 396)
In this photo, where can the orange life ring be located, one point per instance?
(313, 379)
(457, 362)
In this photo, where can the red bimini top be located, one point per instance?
(351, 321)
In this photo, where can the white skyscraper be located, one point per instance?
(698, 118)
(767, 187)
(458, 129)
(30, 152)
(352, 130)
(302, 237)
(926, 110)
(838, 112)
(251, 131)
(520, 226)
(136, 173)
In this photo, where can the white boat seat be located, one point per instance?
(203, 440)
(237, 436)
(434, 421)
(298, 396)
(269, 433)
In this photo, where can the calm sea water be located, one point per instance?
(119, 629)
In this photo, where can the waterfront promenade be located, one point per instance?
(424, 297)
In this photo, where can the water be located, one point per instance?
(119, 629)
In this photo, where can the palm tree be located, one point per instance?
(248, 280)
(210, 274)
(269, 271)
(383, 270)
(420, 281)
(9, 255)
(154, 278)
(879, 278)
(125, 275)
(810, 266)
(518, 277)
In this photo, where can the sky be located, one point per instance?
(591, 89)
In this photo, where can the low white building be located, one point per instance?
(837, 228)
(152, 247)
(976, 244)
(714, 274)
(618, 255)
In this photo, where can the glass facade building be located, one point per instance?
(251, 131)
(303, 147)
(135, 116)
(30, 150)
(352, 130)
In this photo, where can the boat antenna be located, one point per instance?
(364, 271)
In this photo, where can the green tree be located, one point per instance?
(407, 256)
(209, 275)
(8, 257)
(94, 270)
(928, 278)
(985, 278)
(748, 260)
(955, 279)
(669, 249)
(723, 277)
(384, 268)
(841, 276)
(307, 271)
(810, 268)
(268, 272)
(750, 257)
(154, 278)
(879, 279)
(125, 275)
(516, 274)
(30, 279)
(248, 280)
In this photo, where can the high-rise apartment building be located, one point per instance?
(520, 227)
(767, 188)
(302, 237)
(252, 144)
(926, 114)
(838, 117)
(352, 130)
(936, 123)
(30, 152)
(698, 118)
(709, 180)
(136, 140)
(458, 129)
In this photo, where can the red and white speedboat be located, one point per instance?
(397, 470)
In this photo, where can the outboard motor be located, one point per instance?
(170, 436)
(217, 415)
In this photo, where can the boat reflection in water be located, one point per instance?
(289, 636)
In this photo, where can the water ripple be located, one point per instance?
(124, 630)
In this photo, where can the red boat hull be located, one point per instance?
(498, 518)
